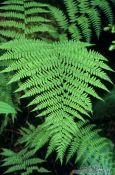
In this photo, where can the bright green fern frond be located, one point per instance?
(60, 70)
(32, 4)
(22, 162)
(9, 14)
(11, 7)
(11, 24)
(60, 77)
(61, 128)
(95, 19)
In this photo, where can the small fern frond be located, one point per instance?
(34, 138)
(22, 162)
(105, 7)
(84, 24)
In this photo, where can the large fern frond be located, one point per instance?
(61, 77)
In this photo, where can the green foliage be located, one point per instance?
(25, 18)
(6, 109)
(29, 19)
(9, 101)
(90, 148)
(83, 16)
(60, 83)
(59, 70)
(59, 78)
(34, 137)
(22, 162)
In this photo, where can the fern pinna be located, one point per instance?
(60, 77)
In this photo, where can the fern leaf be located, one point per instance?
(60, 77)
(22, 161)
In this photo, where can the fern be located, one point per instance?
(61, 77)
(29, 19)
(22, 162)
(20, 18)
(83, 16)
(34, 137)
(89, 146)
(60, 82)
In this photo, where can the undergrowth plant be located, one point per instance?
(59, 75)
(84, 17)
(26, 18)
